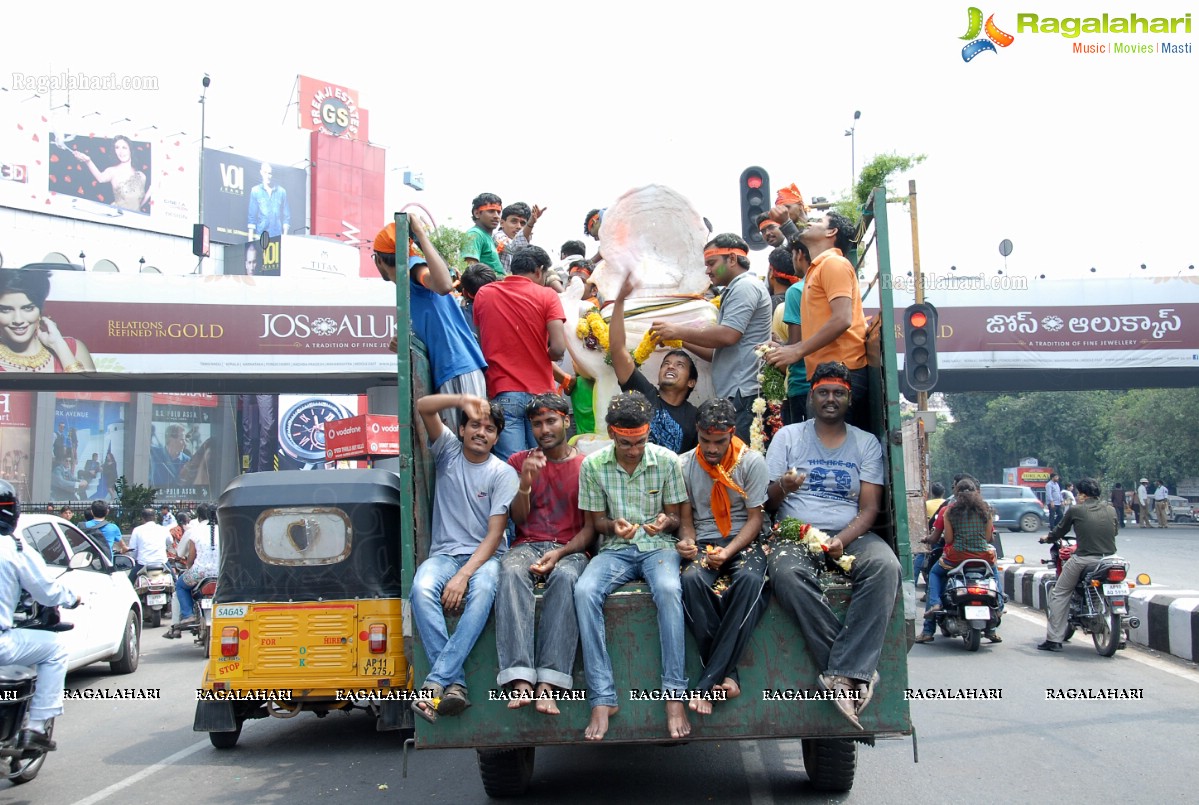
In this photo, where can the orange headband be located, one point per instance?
(765, 224)
(488, 208)
(789, 279)
(631, 433)
(720, 430)
(718, 252)
(831, 381)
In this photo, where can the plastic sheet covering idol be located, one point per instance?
(656, 235)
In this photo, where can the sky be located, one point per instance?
(1081, 160)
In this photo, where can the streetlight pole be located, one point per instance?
(199, 229)
(853, 158)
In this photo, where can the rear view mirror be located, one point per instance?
(122, 562)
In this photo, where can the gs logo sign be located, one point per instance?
(334, 112)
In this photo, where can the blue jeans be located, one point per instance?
(517, 434)
(607, 571)
(447, 653)
(937, 576)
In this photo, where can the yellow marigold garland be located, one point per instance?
(593, 331)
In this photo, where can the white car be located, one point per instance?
(108, 623)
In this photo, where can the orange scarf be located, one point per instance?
(721, 476)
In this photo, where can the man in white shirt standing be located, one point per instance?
(1161, 504)
(1143, 498)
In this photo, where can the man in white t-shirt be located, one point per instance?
(148, 543)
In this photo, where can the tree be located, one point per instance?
(875, 173)
(132, 498)
(1153, 435)
(449, 242)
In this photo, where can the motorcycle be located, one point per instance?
(21, 760)
(1099, 605)
(155, 587)
(201, 628)
(970, 603)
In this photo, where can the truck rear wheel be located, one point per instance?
(506, 772)
(830, 763)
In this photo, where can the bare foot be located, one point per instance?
(545, 704)
(676, 720)
(597, 727)
(522, 693)
(730, 687)
(701, 705)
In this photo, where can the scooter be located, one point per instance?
(156, 587)
(970, 603)
(1099, 605)
(21, 759)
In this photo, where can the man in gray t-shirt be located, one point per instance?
(470, 512)
(741, 326)
(830, 474)
(721, 523)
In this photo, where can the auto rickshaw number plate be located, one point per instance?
(376, 666)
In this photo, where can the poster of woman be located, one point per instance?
(30, 341)
(112, 171)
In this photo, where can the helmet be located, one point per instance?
(10, 508)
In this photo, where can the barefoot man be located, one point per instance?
(632, 490)
(722, 520)
(551, 535)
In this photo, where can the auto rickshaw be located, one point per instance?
(307, 614)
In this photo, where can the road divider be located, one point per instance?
(1169, 617)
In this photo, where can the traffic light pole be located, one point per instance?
(918, 281)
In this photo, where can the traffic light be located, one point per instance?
(920, 346)
(755, 200)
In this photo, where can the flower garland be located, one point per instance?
(794, 530)
(768, 406)
(593, 331)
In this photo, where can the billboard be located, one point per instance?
(130, 324)
(347, 194)
(331, 109)
(181, 445)
(241, 192)
(136, 179)
(87, 446)
(16, 420)
(302, 421)
(362, 436)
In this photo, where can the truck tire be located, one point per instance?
(506, 772)
(830, 763)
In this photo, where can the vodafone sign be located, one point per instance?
(363, 436)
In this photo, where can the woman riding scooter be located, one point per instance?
(968, 527)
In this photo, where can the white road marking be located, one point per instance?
(144, 773)
(1157, 663)
(755, 771)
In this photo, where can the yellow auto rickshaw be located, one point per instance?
(307, 614)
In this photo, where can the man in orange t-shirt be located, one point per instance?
(834, 327)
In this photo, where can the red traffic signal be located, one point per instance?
(920, 346)
(754, 188)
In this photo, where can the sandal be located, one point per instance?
(865, 693)
(454, 701)
(932, 611)
(844, 689)
(923, 638)
(430, 698)
(993, 637)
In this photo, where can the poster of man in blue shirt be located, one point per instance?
(269, 211)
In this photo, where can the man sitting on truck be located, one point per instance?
(830, 474)
(721, 523)
(632, 491)
(470, 512)
(551, 537)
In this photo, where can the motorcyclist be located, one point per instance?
(199, 551)
(1095, 526)
(22, 567)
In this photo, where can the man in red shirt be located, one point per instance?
(522, 332)
(551, 537)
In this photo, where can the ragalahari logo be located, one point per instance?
(980, 45)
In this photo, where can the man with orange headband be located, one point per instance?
(437, 320)
(551, 537)
(830, 475)
(632, 491)
(721, 522)
(479, 247)
(770, 231)
(834, 326)
(742, 324)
